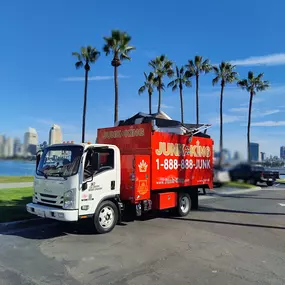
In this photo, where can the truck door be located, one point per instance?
(100, 178)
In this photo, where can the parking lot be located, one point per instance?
(233, 239)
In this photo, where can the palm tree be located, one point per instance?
(118, 45)
(178, 82)
(86, 56)
(252, 85)
(148, 85)
(162, 66)
(225, 74)
(195, 68)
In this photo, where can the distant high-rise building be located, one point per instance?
(254, 151)
(237, 156)
(2, 142)
(18, 148)
(30, 142)
(9, 147)
(282, 152)
(262, 156)
(55, 135)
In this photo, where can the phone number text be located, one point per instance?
(169, 164)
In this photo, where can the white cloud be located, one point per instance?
(92, 78)
(164, 106)
(226, 119)
(270, 112)
(255, 101)
(268, 124)
(240, 110)
(270, 59)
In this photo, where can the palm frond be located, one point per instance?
(124, 56)
(77, 54)
(142, 89)
(188, 83)
(216, 80)
(172, 83)
(250, 75)
(78, 64)
(174, 88)
(243, 84)
(216, 69)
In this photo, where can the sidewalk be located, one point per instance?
(15, 185)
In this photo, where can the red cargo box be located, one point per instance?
(174, 160)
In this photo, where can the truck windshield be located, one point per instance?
(60, 161)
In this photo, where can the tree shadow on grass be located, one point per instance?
(14, 210)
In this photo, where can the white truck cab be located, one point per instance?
(76, 181)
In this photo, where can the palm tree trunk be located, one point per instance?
(221, 124)
(159, 94)
(248, 128)
(149, 102)
(181, 105)
(84, 106)
(197, 99)
(116, 110)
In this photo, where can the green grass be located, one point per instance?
(13, 204)
(280, 180)
(16, 179)
(239, 185)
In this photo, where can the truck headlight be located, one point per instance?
(68, 199)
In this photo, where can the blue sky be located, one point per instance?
(39, 84)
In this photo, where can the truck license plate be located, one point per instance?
(41, 213)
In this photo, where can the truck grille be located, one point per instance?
(47, 199)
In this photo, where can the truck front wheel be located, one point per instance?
(184, 204)
(106, 217)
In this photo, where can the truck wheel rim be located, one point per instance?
(184, 205)
(106, 217)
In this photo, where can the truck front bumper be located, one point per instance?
(52, 213)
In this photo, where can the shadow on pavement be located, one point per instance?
(249, 196)
(228, 223)
(210, 209)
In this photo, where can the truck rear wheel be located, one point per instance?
(184, 204)
(106, 217)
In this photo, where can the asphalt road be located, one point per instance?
(233, 239)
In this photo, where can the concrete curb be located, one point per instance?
(240, 191)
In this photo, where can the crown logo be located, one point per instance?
(143, 166)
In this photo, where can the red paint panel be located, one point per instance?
(127, 177)
(176, 162)
(161, 201)
(142, 186)
(134, 139)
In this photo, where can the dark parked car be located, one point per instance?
(253, 174)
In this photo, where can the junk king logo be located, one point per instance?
(176, 149)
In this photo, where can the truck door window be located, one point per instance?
(97, 161)
(106, 160)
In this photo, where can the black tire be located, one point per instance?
(184, 204)
(104, 226)
(269, 183)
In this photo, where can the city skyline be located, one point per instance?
(15, 147)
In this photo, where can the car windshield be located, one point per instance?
(60, 161)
